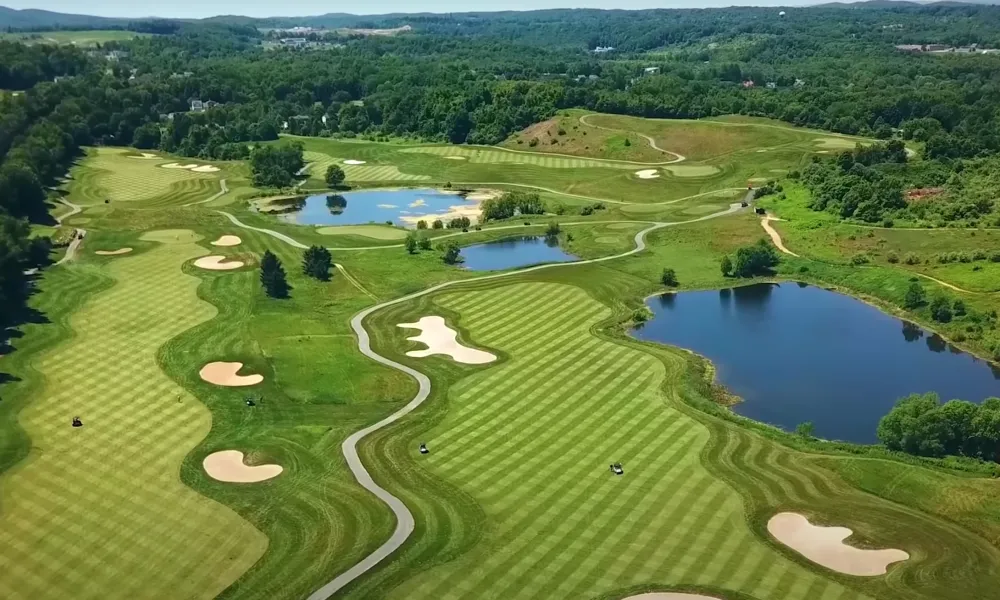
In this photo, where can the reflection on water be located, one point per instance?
(800, 353)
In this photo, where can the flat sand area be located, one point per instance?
(217, 263)
(228, 240)
(228, 466)
(825, 546)
(112, 252)
(225, 374)
(441, 339)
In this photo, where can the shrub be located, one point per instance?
(911, 259)
(893, 258)
(914, 296)
(941, 309)
(859, 259)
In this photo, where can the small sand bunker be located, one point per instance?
(670, 596)
(455, 157)
(228, 466)
(206, 169)
(112, 252)
(354, 162)
(177, 166)
(647, 174)
(825, 546)
(228, 240)
(144, 156)
(217, 263)
(441, 339)
(225, 374)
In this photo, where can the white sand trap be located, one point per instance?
(386, 206)
(225, 374)
(455, 157)
(670, 596)
(206, 169)
(441, 339)
(228, 466)
(228, 240)
(825, 546)
(354, 162)
(217, 263)
(418, 202)
(177, 166)
(647, 174)
(112, 252)
(145, 156)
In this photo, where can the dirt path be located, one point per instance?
(650, 140)
(775, 236)
(948, 285)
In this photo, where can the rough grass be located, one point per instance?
(375, 232)
(79, 38)
(72, 511)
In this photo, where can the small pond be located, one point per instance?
(798, 353)
(403, 207)
(512, 253)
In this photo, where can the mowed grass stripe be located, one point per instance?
(530, 440)
(100, 512)
(497, 156)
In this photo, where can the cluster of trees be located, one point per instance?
(750, 261)
(511, 204)
(921, 425)
(23, 65)
(852, 186)
(276, 165)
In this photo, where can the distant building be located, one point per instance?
(651, 71)
(116, 55)
(197, 106)
(748, 84)
(771, 85)
(800, 83)
(211, 104)
(603, 49)
(294, 42)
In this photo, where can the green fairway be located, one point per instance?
(376, 232)
(78, 38)
(73, 510)
(119, 176)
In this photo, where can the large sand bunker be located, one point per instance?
(228, 240)
(825, 546)
(441, 339)
(228, 466)
(455, 157)
(192, 167)
(647, 174)
(206, 169)
(112, 252)
(177, 166)
(225, 374)
(217, 263)
(144, 156)
(351, 161)
(670, 596)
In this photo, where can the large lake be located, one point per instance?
(798, 353)
(513, 253)
(373, 206)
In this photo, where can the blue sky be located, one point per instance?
(291, 8)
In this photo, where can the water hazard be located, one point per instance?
(401, 207)
(798, 353)
(513, 253)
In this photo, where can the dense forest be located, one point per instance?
(207, 89)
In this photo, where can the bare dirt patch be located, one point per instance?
(441, 339)
(228, 466)
(825, 546)
(218, 263)
(228, 240)
(117, 252)
(225, 374)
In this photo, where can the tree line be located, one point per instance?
(921, 425)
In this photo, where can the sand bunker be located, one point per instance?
(144, 156)
(112, 252)
(228, 240)
(225, 374)
(206, 169)
(441, 339)
(825, 546)
(177, 166)
(354, 162)
(670, 596)
(228, 466)
(647, 174)
(217, 263)
(455, 157)
(194, 168)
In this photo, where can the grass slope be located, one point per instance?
(79, 38)
(73, 510)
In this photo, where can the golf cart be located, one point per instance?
(617, 469)
(423, 449)
(77, 422)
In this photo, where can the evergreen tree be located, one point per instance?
(272, 276)
(726, 266)
(317, 262)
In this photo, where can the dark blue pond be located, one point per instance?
(402, 207)
(514, 252)
(798, 353)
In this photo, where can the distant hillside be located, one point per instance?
(31, 18)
